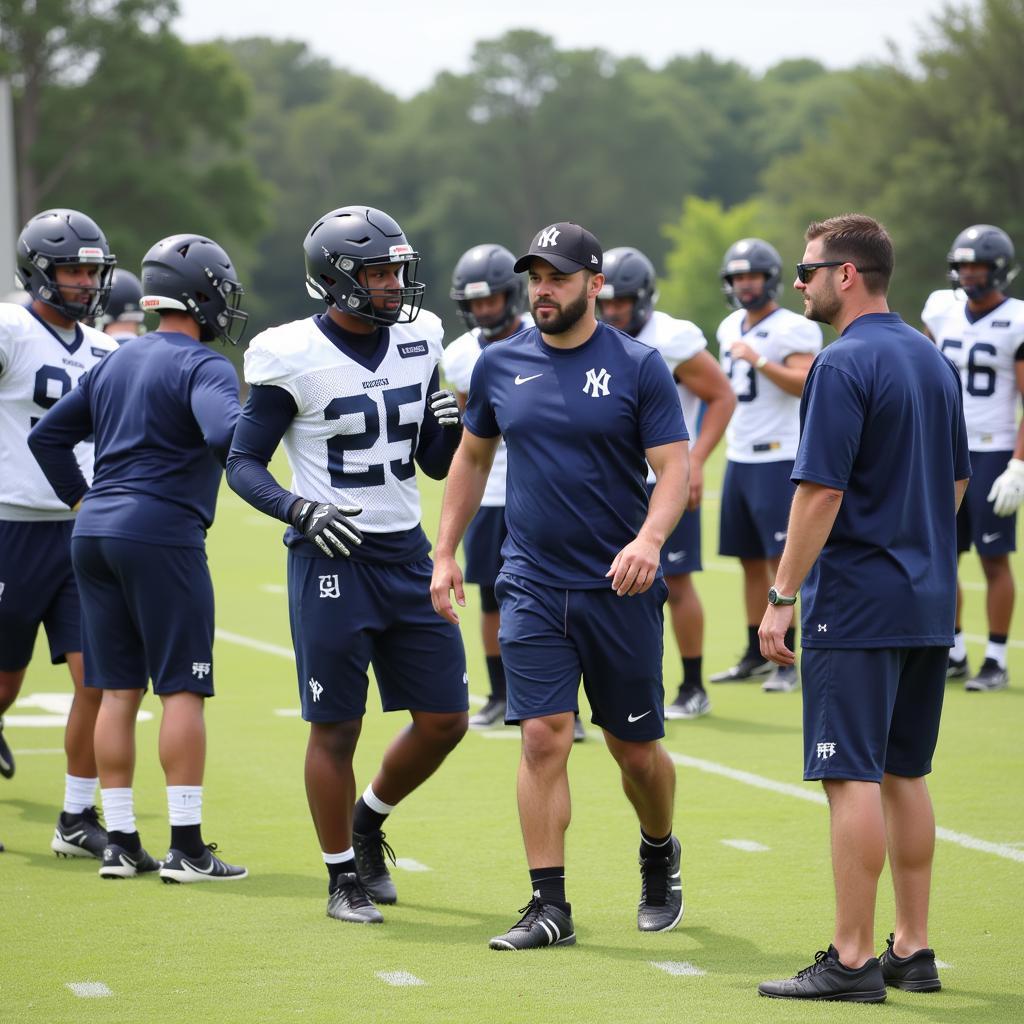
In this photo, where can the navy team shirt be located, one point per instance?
(882, 420)
(576, 423)
(162, 409)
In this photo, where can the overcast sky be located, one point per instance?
(403, 44)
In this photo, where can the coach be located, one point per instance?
(881, 469)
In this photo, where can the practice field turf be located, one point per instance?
(756, 873)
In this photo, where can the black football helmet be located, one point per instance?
(752, 256)
(124, 301)
(194, 275)
(487, 270)
(63, 237)
(341, 243)
(628, 273)
(983, 243)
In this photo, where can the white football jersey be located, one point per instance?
(355, 432)
(766, 424)
(457, 365)
(986, 354)
(36, 369)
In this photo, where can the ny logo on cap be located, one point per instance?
(549, 236)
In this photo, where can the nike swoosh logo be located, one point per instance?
(779, 536)
(675, 556)
(198, 870)
(636, 718)
(987, 538)
(523, 380)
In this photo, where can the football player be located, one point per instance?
(984, 337)
(162, 409)
(64, 265)
(627, 301)
(766, 352)
(354, 393)
(122, 317)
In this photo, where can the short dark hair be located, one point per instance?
(858, 239)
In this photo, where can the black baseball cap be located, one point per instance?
(567, 247)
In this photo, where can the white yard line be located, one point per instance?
(407, 864)
(677, 967)
(399, 978)
(89, 989)
(746, 845)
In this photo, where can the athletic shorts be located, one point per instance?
(755, 508)
(871, 711)
(37, 586)
(482, 545)
(551, 636)
(147, 614)
(347, 615)
(976, 523)
(681, 551)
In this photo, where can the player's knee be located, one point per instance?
(636, 760)
(445, 731)
(10, 686)
(996, 569)
(545, 740)
(336, 739)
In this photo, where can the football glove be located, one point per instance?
(1008, 490)
(445, 408)
(328, 526)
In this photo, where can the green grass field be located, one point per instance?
(263, 949)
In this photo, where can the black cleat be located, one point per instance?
(958, 669)
(347, 900)
(750, 666)
(370, 851)
(914, 973)
(492, 713)
(120, 863)
(6, 757)
(661, 892)
(178, 867)
(542, 924)
(692, 702)
(79, 835)
(990, 677)
(828, 978)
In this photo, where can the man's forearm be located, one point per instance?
(712, 427)
(462, 496)
(811, 518)
(668, 500)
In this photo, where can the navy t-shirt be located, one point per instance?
(882, 420)
(576, 423)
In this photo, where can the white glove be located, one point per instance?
(445, 408)
(1008, 490)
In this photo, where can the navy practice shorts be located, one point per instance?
(347, 615)
(871, 711)
(147, 613)
(551, 636)
(482, 545)
(755, 508)
(976, 522)
(37, 585)
(681, 551)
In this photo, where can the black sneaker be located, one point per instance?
(6, 757)
(542, 924)
(692, 702)
(579, 730)
(370, 851)
(178, 867)
(750, 666)
(347, 900)
(958, 669)
(914, 973)
(661, 892)
(120, 863)
(492, 713)
(827, 978)
(79, 835)
(990, 677)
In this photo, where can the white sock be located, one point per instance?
(339, 858)
(375, 803)
(79, 793)
(997, 652)
(118, 810)
(185, 805)
(959, 649)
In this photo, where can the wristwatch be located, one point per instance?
(762, 362)
(774, 597)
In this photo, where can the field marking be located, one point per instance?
(399, 978)
(408, 864)
(287, 712)
(710, 767)
(498, 734)
(89, 989)
(273, 588)
(678, 968)
(57, 707)
(943, 965)
(746, 845)
(39, 750)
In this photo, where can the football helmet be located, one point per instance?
(63, 237)
(982, 243)
(124, 301)
(628, 273)
(751, 256)
(194, 275)
(487, 270)
(342, 243)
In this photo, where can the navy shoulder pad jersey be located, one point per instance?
(882, 420)
(576, 423)
(162, 409)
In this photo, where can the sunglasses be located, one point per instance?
(804, 271)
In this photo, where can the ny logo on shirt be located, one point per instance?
(597, 383)
(315, 687)
(549, 236)
(329, 586)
